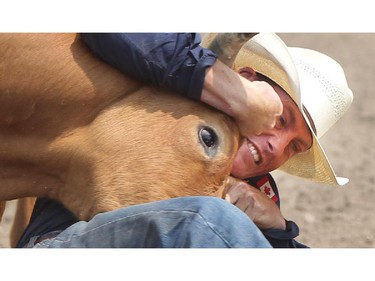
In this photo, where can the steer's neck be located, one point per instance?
(50, 81)
(50, 86)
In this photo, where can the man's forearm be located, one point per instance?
(174, 61)
(177, 62)
(224, 89)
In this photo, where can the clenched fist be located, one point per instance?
(257, 205)
(253, 104)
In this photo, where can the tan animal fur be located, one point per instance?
(74, 129)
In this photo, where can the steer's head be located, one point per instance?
(149, 146)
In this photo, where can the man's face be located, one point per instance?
(260, 154)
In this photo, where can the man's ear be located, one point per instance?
(248, 73)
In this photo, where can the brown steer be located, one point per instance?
(74, 129)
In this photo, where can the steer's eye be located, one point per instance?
(208, 137)
(209, 140)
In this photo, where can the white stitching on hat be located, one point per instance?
(334, 94)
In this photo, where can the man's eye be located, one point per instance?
(295, 147)
(282, 121)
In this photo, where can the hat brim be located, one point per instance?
(313, 164)
(267, 54)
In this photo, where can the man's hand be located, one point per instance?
(254, 105)
(260, 110)
(257, 205)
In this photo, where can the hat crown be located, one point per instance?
(324, 90)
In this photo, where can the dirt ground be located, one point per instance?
(330, 217)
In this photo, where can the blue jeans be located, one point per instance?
(186, 222)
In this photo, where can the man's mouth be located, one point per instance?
(253, 151)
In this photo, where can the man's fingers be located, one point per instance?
(240, 194)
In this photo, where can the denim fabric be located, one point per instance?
(185, 222)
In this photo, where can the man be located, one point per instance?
(292, 144)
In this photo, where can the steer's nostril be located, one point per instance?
(209, 140)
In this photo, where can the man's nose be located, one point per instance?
(276, 143)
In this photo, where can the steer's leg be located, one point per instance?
(24, 210)
(2, 209)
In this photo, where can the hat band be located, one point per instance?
(311, 121)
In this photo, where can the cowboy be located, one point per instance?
(314, 93)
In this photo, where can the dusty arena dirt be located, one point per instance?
(329, 217)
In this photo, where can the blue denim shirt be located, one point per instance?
(174, 61)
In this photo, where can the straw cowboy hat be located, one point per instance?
(316, 83)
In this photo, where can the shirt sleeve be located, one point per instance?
(174, 61)
(284, 238)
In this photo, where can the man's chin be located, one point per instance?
(240, 173)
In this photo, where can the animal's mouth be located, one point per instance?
(253, 151)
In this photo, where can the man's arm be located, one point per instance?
(173, 61)
(177, 61)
